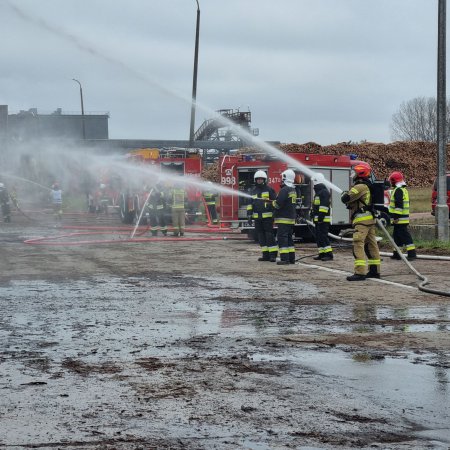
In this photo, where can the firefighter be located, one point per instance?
(178, 204)
(285, 212)
(157, 210)
(210, 197)
(359, 201)
(56, 200)
(260, 210)
(321, 213)
(399, 212)
(4, 202)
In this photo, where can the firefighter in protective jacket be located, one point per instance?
(322, 217)
(210, 197)
(359, 202)
(399, 212)
(4, 202)
(285, 213)
(157, 210)
(260, 211)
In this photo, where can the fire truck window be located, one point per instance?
(245, 180)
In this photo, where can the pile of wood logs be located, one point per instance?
(416, 160)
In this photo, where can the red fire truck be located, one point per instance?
(172, 161)
(237, 172)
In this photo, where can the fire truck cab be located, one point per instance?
(237, 172)
(172, 161)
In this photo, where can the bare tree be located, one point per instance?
(416, 120)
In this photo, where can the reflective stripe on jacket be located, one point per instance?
(399, 205)
(261, 209)
(284, 204)
(321, 204)
(359, 204)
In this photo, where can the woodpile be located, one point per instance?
(417, 160)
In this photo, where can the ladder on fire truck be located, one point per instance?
(216, 129)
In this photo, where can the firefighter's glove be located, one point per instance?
(345, 197)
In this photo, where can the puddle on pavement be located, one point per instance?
(420, 393)
(113, 319)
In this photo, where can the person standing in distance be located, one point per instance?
(359, 201)
(285, 213)
(260, 210)
(399, 212)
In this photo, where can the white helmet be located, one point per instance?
(260, 174)
(288, 177)
(318, 178)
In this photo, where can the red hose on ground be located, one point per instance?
(46, 240)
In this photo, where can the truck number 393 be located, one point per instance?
(228, 180)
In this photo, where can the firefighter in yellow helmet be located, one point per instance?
(359, 202)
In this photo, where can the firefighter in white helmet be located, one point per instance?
(260, 211)
(321, 215)
(285, 213)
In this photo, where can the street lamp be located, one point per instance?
(194, 80)
(82, 108)
(441, 212)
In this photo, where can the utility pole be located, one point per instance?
(194, 80)
(441, 211)
(82, 109)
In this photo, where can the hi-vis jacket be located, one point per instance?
(261, 209)
(358, 200)
(321, 204)
(210, 197)
(178, 198)
(285, 206)
(399, 205)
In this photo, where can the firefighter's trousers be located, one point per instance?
(285, 242)
(178, 220)
(266, 238)
(364, 243)
(157, 220)
(212, 213)
(323, 242)
(402, 237)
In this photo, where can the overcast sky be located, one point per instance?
(308, 70)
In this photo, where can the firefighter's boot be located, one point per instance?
(265, 257)
(373, 272)
(318, 257)
(154, 232)
(356, 277)
(273, 256)
(395, 255)
(181, 233)
(292, 258)
(284, 259)
(412, 255)
(175, 234)
(327, 256)
(164, 232)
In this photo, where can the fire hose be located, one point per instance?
(424, 279)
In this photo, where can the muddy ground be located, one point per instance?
(195, 345)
